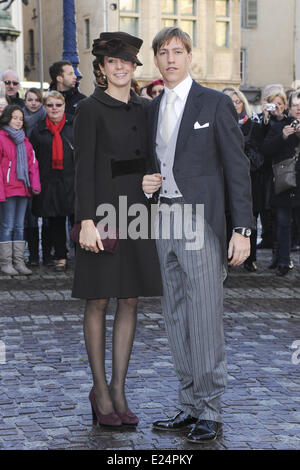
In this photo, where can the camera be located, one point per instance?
(271, 107)
(294, 124)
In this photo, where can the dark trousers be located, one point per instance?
(57, 228)
(284, 219)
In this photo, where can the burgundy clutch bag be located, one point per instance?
(110, 242)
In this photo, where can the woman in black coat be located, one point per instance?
(52, 141)
(253, 140)
(282, 142)
(111, 158)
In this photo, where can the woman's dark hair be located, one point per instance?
(7, 113)
(100, 78)
(135, 86)
(37, 93)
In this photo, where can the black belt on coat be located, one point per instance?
(128, 167)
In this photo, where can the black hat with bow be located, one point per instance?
(118, 44)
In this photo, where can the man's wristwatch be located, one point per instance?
(246, 232)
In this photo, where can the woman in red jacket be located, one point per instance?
(19, 179)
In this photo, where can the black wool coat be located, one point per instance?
(112, 135)
(111, 159)
(276, 149)
(57, 186)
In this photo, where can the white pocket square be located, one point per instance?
(198, 126)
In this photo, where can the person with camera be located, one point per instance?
(281, 143)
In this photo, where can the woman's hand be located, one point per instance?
(35, 192)
(151, 183)
(265, 112)
(287, 131)
(89, 237)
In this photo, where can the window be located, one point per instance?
(249, 13)
(243, 66)
(180, 13)
(129, 5)
(87, 38)
(31, 48)
(222, 23)
(129, 16)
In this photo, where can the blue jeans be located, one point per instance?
(12, 218)
(284, 219)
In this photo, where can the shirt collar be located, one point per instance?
(182, 89)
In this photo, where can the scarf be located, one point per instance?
(18, 137)
(32, 118)
(243, 118)
(57, 144)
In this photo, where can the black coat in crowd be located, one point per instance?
(253, 138)
(16, 100)
(267, 167)
(72, 98)
(57, 186)
(276, 149)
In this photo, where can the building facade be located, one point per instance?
(11, 38)
(214, 26)
(270, 44)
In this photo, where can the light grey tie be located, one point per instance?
(169, 118)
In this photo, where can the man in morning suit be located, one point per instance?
(196, 147)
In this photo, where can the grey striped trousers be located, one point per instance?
(192, 305)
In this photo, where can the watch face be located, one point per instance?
(248, 232)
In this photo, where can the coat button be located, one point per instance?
(134, 128)
(138, 152)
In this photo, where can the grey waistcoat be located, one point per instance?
(165, 154)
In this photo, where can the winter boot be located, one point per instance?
(6, 259)
(18, 258)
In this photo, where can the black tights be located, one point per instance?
(110, 397)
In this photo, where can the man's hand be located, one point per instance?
(239, 249)
(287, 131)
(151, 183)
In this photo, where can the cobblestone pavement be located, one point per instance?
(45, 379)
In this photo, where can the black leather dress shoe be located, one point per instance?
(204, 431)
(179, 422)
(282, 270)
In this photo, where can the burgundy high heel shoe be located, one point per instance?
(128, 418)
(111, 419)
